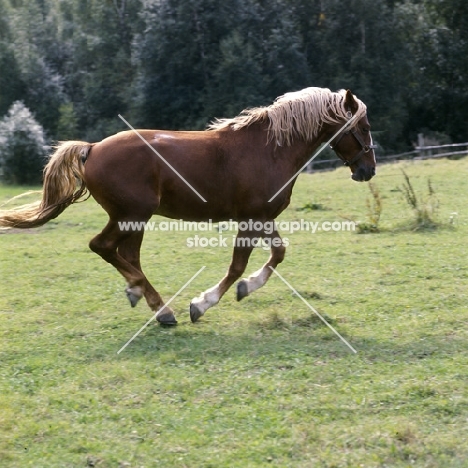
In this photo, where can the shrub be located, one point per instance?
(374, 211)
(424, 208)
(22, 146)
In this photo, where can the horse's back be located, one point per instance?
(173, 172)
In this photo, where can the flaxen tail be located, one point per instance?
(63, 185)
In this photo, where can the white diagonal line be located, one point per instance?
(165, 305)
(159, 154)
(313, 157)
(313, 310)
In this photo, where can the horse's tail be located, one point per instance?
(63, 185)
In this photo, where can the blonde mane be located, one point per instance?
(297, 114)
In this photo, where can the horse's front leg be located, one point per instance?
(240, 257)
(256, 280)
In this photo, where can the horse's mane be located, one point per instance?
(296, 114)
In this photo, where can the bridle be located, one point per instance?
(364, 148)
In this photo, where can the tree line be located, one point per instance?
(77, 64)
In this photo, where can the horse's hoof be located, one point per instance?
(242, 290)
(132, 297)
(166, 317)
(195, 312)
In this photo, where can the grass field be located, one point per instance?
(257, 383)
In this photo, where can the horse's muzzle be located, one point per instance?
(363, 174)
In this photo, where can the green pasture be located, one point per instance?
(253, 384)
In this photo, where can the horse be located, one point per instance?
(242, 169)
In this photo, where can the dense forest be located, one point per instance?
(77, 64)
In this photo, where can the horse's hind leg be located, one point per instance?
(129, 249)
(259, 278)
(122, 250)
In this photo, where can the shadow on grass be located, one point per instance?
(279, 338)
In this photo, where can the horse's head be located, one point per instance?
(354, 145)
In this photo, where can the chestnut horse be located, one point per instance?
(239, 169)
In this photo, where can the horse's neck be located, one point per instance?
(302, 151)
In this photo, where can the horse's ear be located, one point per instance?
(350, 102)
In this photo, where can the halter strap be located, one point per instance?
(365, 148)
